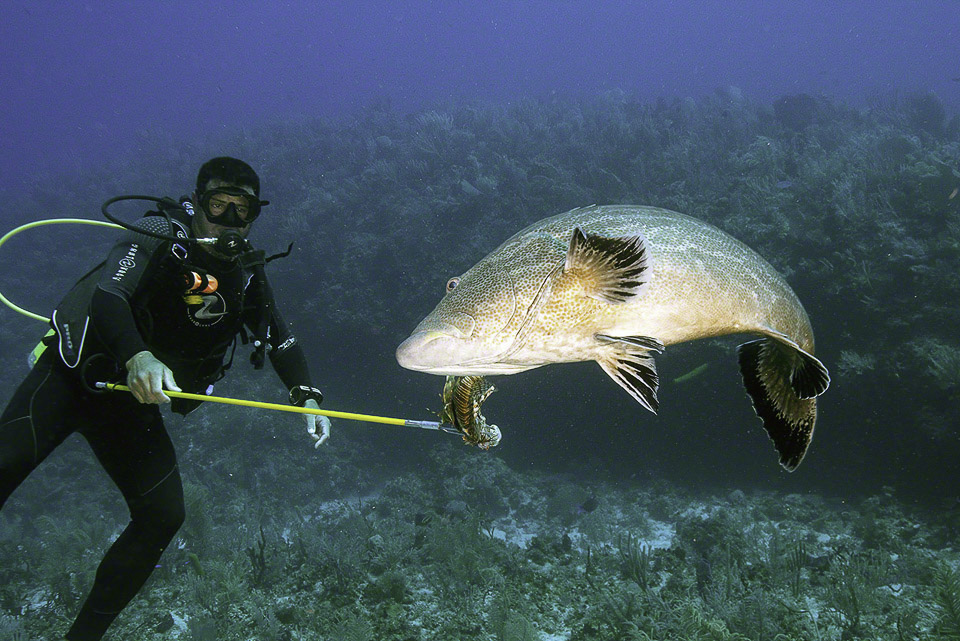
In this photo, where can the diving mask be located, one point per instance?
(220, 206)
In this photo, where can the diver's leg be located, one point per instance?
(135, 450)
(35, 423)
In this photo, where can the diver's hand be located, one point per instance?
(318, 427)
(147, 377)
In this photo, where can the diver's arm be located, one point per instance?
(112, 320)
(286, 354)
(129, 265)
(290, 364)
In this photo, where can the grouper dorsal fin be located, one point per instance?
(610, 269)
(628, 362)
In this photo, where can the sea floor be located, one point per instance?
(475, 550)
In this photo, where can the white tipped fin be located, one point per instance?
(610, 269)
(630, 364)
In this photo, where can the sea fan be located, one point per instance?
(947, 595)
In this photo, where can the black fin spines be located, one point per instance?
(619, 266)
(811, 378)
(630, 364)
(638, 376)
(643, 342)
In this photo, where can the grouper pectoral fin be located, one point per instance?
(611, 269)
(783, 382)
(627, 361)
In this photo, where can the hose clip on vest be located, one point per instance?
(254, 260)
(99, 367)
(300, 394)
(259, 355)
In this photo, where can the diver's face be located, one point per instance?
(205, 226)
(216, 202)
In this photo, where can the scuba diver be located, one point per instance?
(168, 314)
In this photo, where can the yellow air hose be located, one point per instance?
(39, 223)
(426, 425)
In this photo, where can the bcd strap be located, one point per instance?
(254, 260)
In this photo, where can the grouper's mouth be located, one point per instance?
(446, 354)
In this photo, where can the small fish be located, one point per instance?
(953, 194)
(589, 505)
(616, 285)
(695, 372)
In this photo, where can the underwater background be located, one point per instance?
(398, 144)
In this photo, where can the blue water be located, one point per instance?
(86, 82)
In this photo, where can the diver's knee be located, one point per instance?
(163, 520)
(162, 508)
(169, 511)
(15, 465)
(172, 516)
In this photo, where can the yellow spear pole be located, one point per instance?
(425, 425)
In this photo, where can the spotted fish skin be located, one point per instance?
(618, 284)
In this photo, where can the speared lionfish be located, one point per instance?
(462, 398)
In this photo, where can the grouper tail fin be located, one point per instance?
(783, 382)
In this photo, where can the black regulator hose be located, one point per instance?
(163, 205)
(229, 243)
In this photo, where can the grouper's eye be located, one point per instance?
(452, 284)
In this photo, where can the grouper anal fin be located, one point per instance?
(610, 269)
(627, 361)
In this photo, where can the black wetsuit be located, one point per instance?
(135, 301)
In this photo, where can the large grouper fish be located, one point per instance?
(616, 284)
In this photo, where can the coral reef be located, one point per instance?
(711, 566)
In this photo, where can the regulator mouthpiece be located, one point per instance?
(231, 243)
